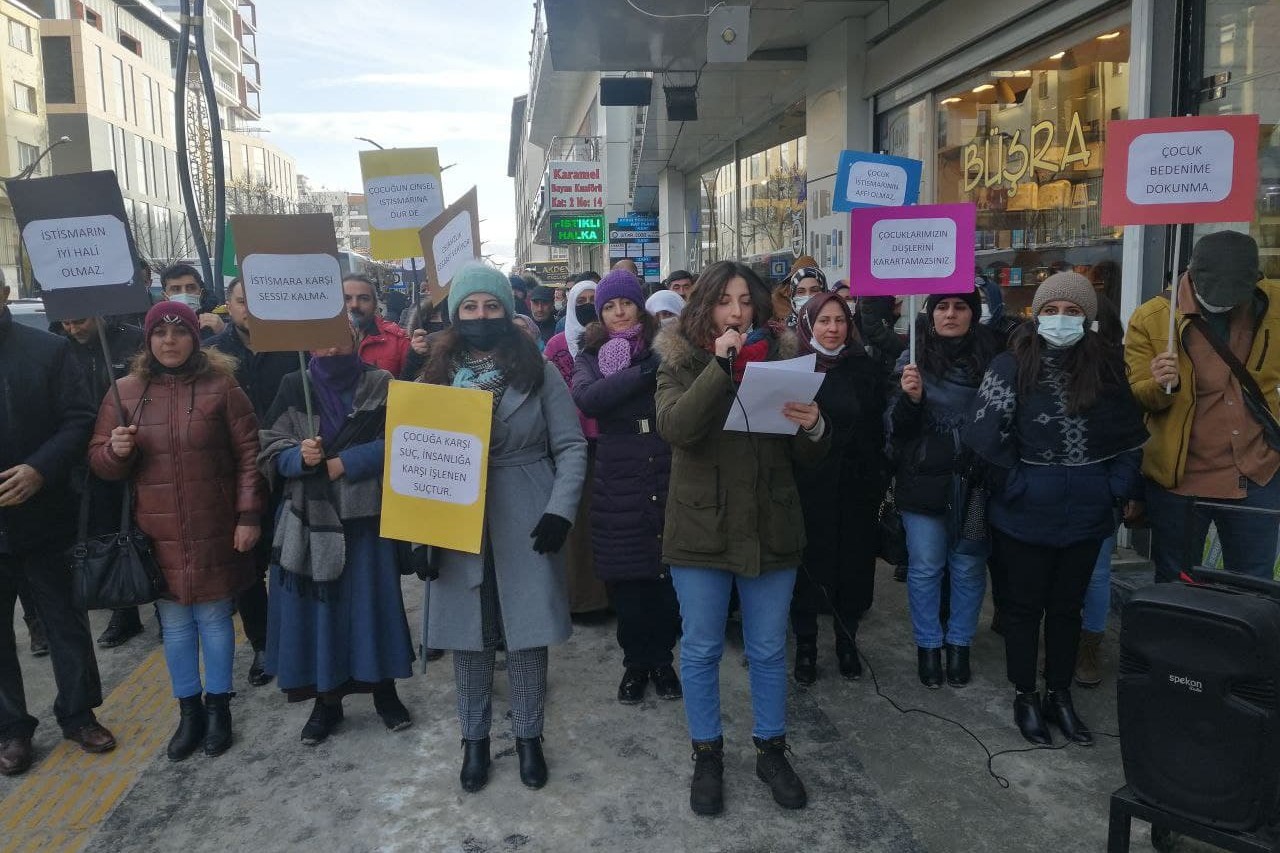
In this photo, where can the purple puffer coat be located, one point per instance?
(629, 487)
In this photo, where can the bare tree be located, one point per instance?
(773, 219)
(245, 195)
(164, 243)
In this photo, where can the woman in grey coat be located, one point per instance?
(514, 594)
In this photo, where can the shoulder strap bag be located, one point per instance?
(1254, 400)
(117, 569)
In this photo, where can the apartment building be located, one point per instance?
(23, 126)
(108, 86)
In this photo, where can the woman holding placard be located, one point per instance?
(733, 520)
(336, 622)
(934, 481)
(1062, 435)
(513, 594)
(613, 382)
(189, 455)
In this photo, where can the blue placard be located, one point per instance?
(875, 180)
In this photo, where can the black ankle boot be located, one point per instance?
(958, 672)
(706, 791)
(847, 656)
(475, 764)
(929, 667)
(1059, 710)
(395, 716)
(217, 735)
(191, 727)
(258, 675)
(775, 771)
(1029, 718)
(324, 716)
(533, 765)
(806, 671)
(666, 683)
(631, 687)
(123, 626)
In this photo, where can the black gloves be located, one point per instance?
(550, 533)
(422, 564)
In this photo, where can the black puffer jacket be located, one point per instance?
(45, 421)
(633, 465)
(259, 374)
(925, 439)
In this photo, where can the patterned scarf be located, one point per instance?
(617, 353)
(482, 372)
(1036, 429)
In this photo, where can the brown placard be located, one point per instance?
(445, 244)
(292, 281)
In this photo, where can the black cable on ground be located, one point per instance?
(1002, 781)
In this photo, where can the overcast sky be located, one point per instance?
(411, 73)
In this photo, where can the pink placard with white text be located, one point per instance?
(900, 251)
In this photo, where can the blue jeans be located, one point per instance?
(1179, 528)
(190, 630)
(929, 553)
(1097, 598)
(704, 607)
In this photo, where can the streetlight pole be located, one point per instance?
(34, 164)
(22, 176)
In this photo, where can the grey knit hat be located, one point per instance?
(1224, 268)
(1070, 286)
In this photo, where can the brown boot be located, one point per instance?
(1089, 659)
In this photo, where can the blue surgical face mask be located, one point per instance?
(1060, 330)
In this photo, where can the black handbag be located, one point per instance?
(1254, 399)
(115, 570)
(893, 536)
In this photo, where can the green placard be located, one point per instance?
(577, 229)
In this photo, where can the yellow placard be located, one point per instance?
(436, 466)
(403, 194)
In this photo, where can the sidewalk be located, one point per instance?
(878, 780)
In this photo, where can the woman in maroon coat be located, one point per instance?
(190, 452)
(614, 378)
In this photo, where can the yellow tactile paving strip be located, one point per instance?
(65, 798)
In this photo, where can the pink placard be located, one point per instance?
(900, 251)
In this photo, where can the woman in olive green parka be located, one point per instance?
(733, 518)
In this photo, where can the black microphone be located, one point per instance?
(733, 351)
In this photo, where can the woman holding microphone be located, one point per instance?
(733, 520)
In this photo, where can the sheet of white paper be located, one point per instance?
(766, 386)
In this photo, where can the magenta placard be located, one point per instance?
(899, 251)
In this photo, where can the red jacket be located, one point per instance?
(386, 348)
(194, 473)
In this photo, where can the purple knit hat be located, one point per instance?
(170, 313)
(619, 284)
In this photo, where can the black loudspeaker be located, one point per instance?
(682, 103)
(625, 91)
(1197, 699)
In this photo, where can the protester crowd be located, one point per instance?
(1006, 448)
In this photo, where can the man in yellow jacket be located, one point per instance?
(1207, 445)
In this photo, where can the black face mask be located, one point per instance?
(586, 313)
(484, 334)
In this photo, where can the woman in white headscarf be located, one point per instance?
(665, 306)
(586, 592)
